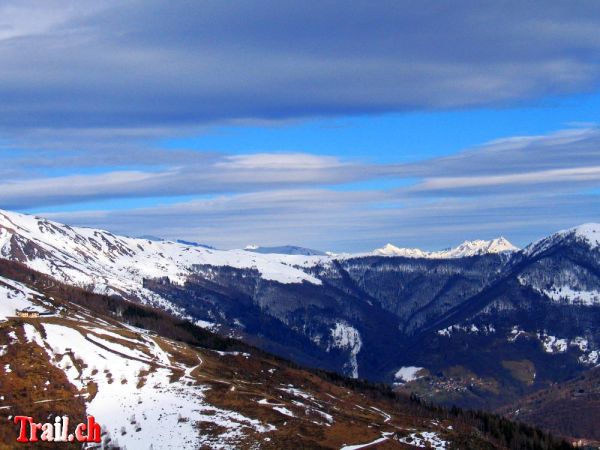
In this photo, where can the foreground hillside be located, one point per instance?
(149, 378)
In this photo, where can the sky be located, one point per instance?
(333, 125)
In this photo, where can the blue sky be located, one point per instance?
(402, 137)
(311, 124)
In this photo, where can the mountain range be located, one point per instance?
(154, 381)
(483, 325)
(467, 248)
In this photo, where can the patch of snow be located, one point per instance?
(117, 348)
(482, 329)
(327, 417)
(178, 406)
(386, 416)
(284, 411)
(515, 333)
(383, 438)
(346, 337)
(580, 343)
(590, 358)
(553, 344)
(290, 389)
(32, 335)
(425, 439)
(105, 332)
(408, 373)
(264, 401)
(571, 296)
(206, 325)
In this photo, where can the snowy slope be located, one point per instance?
(587, 234)
(14, 295)
(113, 264)
(567, 280)
(136, 399)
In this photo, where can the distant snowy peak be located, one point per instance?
(481, 247)
(392, 250)
(284, 250)
(467, 248)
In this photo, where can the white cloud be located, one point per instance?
(526, 186)
(287, 161)
(573, 177)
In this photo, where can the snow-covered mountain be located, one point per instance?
(571, 279)
(587, 234)
(111, 264)
(106, 263)
(467, 248)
